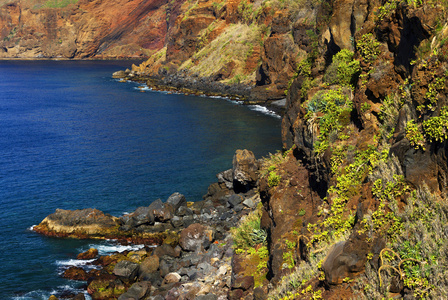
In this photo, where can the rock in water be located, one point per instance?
(89, 254)
(84, 223)
(245, 169)
(119, 74)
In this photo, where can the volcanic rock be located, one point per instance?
(78, 223)
(126, 269)
(89, 254)
(245, 167)
(195, 237)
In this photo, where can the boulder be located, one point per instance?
(177, 200)
(209, 296)
(171, 278)
(126, 269)
(137, 291)
(149, 265)
(234, 200)
(165, 249)
(195, 237)
(345, 259)
(82, 223)
(245, 169)
(119, 74)
(76, 273)
(105, 286)
(244, 283)
(89, 254)
(162, 212)
(226, 177)
(141, 216)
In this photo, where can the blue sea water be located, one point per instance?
(72, 137)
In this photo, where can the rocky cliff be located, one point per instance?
(83, 29)
(355, 206)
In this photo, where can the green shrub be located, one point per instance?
(343, 70)
(414, 135)
(336, 109)
(436, 127)
(273, 179)
(249, 233)
(368, 47)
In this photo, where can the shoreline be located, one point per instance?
(196, 256)
(246, 95)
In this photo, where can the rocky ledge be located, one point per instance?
(209, 86)
(187, 247)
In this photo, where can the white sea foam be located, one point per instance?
(264, 110)
(234, 101)
(31, 228)
(108, 249)
(74, 262)
(44, 295)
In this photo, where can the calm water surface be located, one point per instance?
(71, 137)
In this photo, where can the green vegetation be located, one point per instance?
(250, 242)
(368, 47)
(419, 259)
(58, 3)
(436, 127)
(249, 234)
(336, 108)
(273, 179)
(231, 48)
(414, 135)
(343, 70)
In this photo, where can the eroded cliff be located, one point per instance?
(356, 207)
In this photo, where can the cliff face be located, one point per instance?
(87, 29)
(366, 122)
(357, 205)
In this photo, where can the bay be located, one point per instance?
(72, 137)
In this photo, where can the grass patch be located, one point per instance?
(235, 44)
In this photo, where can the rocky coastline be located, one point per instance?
(186, 249)
(193, 84)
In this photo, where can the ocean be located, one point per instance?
(72, 137)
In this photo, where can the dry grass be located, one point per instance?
(235, 44)
(305, 270)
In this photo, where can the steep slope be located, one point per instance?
(356, 207)
(85, 29)
(363, 188)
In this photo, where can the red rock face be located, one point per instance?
(87, 29)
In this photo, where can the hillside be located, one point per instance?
(355, 206)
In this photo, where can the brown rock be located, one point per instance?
(77, 223)
(89, 254)
(346, 259)
(245, 167)
(149, 265)
(245, 283)
(195, 237)
(171, 278)
(76, 273)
